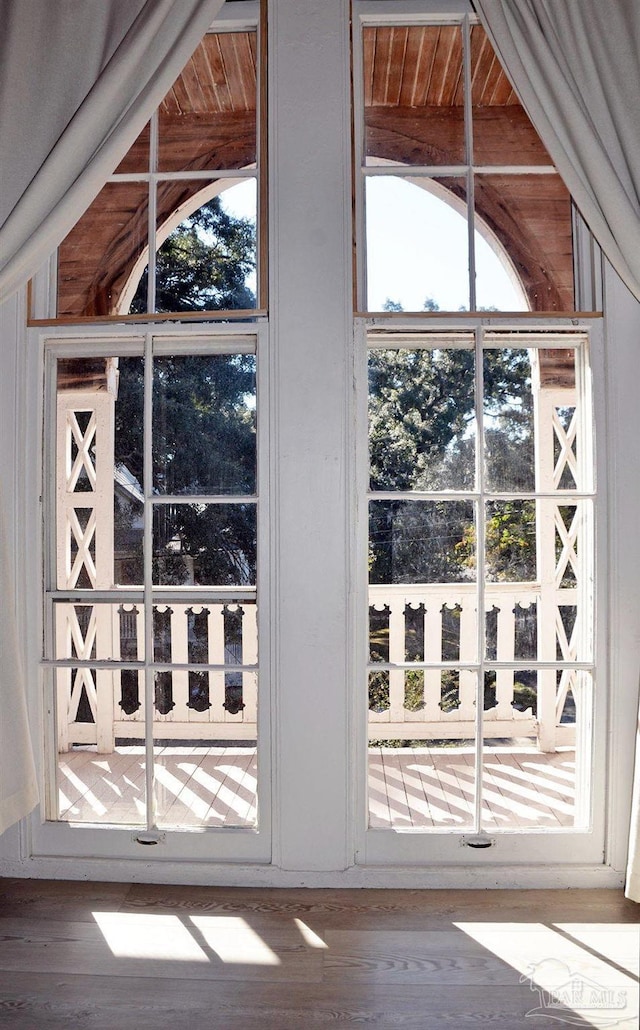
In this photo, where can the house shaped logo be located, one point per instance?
(573, 997)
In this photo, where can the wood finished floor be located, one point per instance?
(105, 956)
(422, 788)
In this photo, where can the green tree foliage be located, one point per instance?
(422, 437)
(204, 264)
(204, 433)
(203, 443)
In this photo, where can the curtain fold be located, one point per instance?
(576, 69)
(18, 785)
(78, 81)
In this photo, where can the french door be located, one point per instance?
(156, 565)
(479, 643)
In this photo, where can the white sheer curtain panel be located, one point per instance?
(78, 81)
(18, 785)
(576, 68)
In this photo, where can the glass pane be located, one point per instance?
(137, 157)
(417, 244)
(511, 622)
(422, 623)
(421, 542)
(421, 419)
(128, 473)
(207, 634)
(206, 240)
(204, 544)
(99, 631)
(204, 424)
(84, 472)
(207, 120)
(526, 221)
(508, 420)
(502, 132)
(498, 283)
(205, 783)
(421, 748)
(571, 528)
(99, 472)
(533, 760)
(413, 98)
(510, 542)
(100, 761)
(97, 258)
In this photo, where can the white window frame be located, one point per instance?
(53, 838)
(433, 848)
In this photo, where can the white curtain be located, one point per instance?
(576, 67)
(18, 791)
(78, 81)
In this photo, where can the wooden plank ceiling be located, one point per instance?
(414, 115)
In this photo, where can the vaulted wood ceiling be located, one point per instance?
(414, 115)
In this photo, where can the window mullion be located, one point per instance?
(149, 673)
(480, 570)
(468, 135)
(153, 212)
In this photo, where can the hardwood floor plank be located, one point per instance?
(132, 945)
(97, 1003)
(59, 899)
(326, 908)
(153, 957)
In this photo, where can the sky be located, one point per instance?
(416, 248)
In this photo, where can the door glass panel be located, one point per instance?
(534, 765)
(205, 784)
(99, 632)
(205, 757)
(422, 419)
(421, 542)
(533, 551)
(508, 420)
(200, 676)
(204, 544)
(199, 399)
(100, 764)
(421, 769)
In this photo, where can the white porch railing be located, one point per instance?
(426, 717)
(99, 706)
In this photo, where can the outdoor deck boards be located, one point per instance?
(407, 788)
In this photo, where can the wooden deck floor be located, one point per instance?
(109, 956)
(407, 787)
(436, 787)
